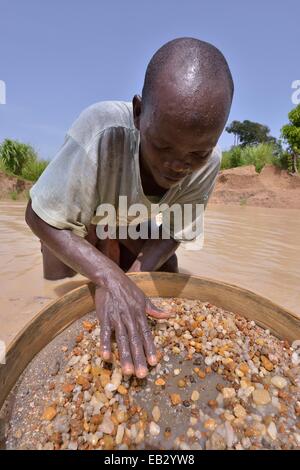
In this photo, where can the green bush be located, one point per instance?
(21, 160)
(14, 155)
(258, 155)
(231, 158)
(33, 169)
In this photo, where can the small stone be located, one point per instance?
(244, 368)
(295, 358)
(186, 403)
(176, 371)
(228, 392)
(54, 369)
(279, 382)
(79, 337)
(216, 442)
(96, 371)
(85, 359)
(94, 439)
(261, 397)
(120, 434)
(108, 442)
(175, 399)
(87, 396)
(154, 429)
(240, 411)
(266, 363)
(210, 424)
(122, 416)
(83, 381)
(160, 382)
(190, 432)
(193, 420)
(116, 378)
(73, 361)
(230, 436)
(228, 416)
(18, 434)
(272, 431)
(201, 374)
(88, 326)
(122, 390)
(48, 446)
(68, 388)
(181, 383)
(109, 388)
(107, 426)
(156, 413)
(176, 350)
(49, 413)
(195, 395)
(97, 419)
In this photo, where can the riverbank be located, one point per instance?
(272, 188)
(13, 187)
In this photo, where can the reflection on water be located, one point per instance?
(23, 290)
(256, 248)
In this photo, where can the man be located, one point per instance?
(162, 147)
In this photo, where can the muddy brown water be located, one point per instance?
(255, 248)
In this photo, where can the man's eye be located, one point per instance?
(200, 156)
(163, 149)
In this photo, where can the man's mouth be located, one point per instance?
(174, 178)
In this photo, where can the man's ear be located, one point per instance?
(137, 109)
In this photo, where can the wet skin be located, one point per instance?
(170, 149)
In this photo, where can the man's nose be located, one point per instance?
(177, 166)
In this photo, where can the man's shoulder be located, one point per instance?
(100, 117)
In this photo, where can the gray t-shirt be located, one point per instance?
(98, 162)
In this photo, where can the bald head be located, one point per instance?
(193, 77)
(183, 110)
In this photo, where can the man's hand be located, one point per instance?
(123, 309)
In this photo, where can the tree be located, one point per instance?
(291, 136)
(249, 133)
(15, 155)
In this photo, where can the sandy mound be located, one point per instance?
(10, 184)
(273, 187)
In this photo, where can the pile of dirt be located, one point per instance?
(272, 187)
(12, 185)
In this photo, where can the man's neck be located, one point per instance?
(150, 187)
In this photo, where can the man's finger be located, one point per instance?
(103, 314)
(156, 312)
(105, 337)
(149, 345)
(124, 348)
(137, 350)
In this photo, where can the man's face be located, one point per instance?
(170, 148)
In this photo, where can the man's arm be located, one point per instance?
(153, 254)
(124, 304)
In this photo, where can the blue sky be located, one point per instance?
(59, 56)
